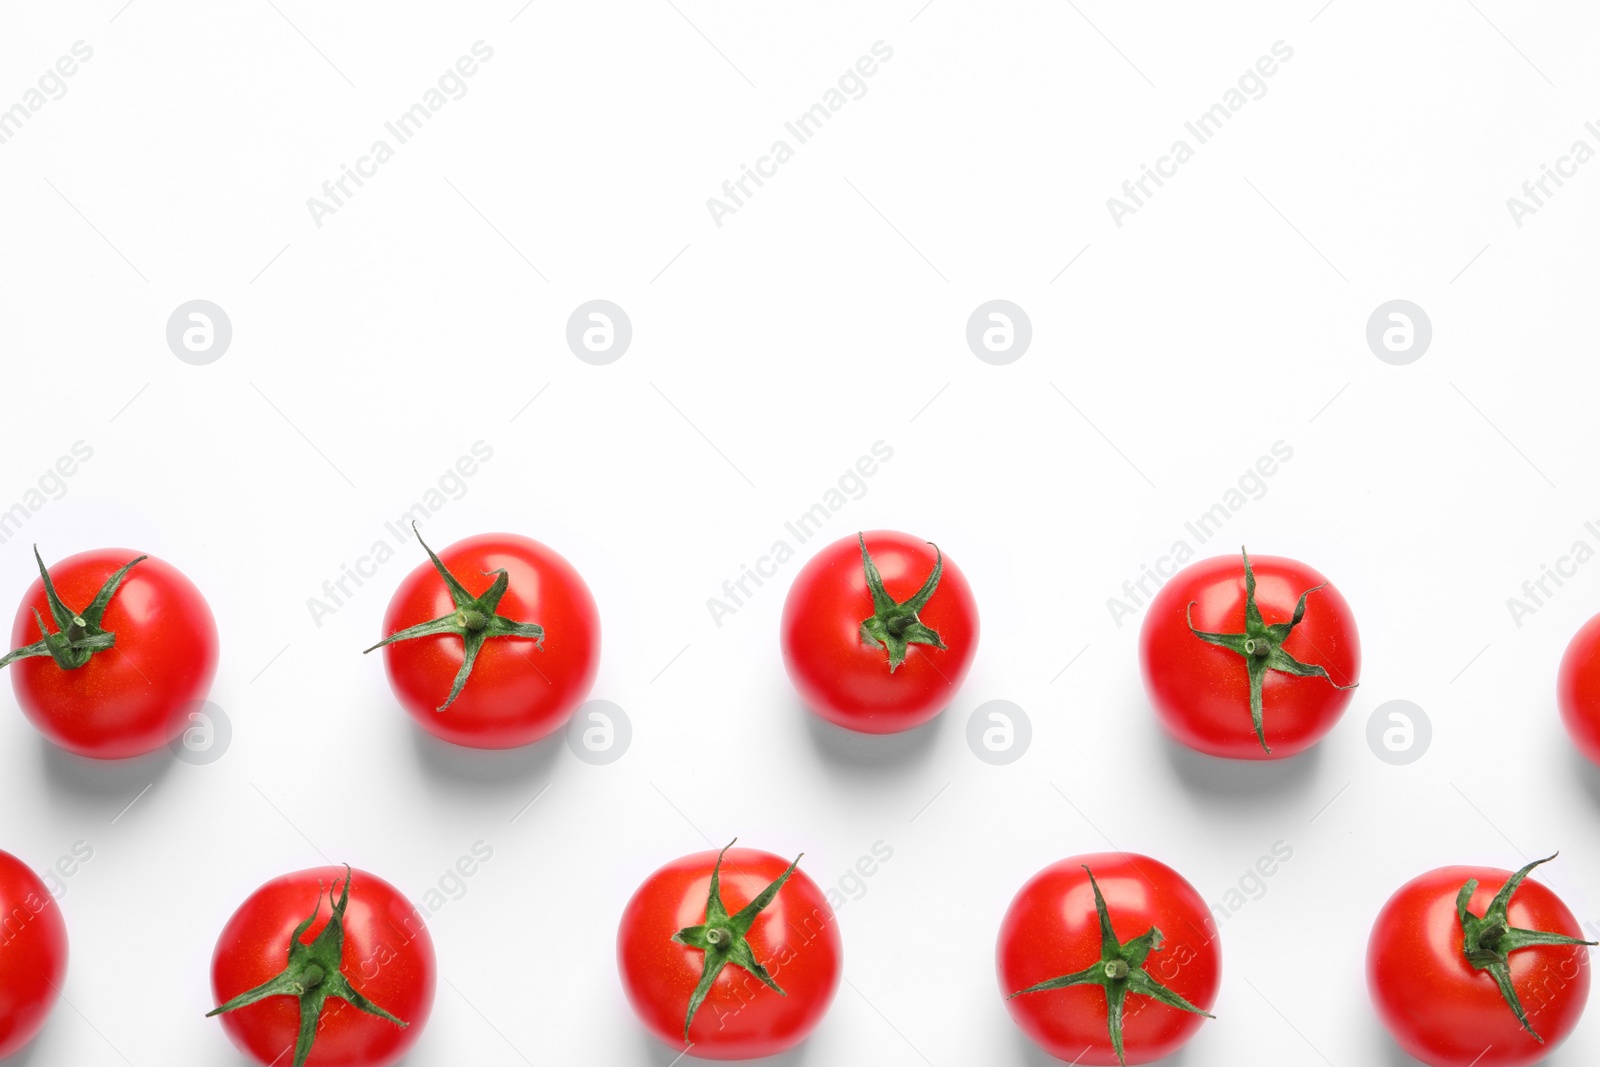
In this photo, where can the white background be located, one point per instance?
(768, 354)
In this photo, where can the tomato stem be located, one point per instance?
(314, 975)
(896, 626)
(1488, 940)
(722, 936)
(473, 619)
(78, 635)
(1262, 647)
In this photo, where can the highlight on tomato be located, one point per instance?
(1578, 689)
(113, 649)
(1477, 967)
(33, 954)
(1249, 663)
(282, 957)
(731, 955)
(879, 631)
(1109, 958)
(503, 666)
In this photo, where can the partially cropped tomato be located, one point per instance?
(114, 649)
(1108, 958)
(879, 631)
(1249, 662)
(732, 954)
(1578, 689)
(1477, 967)
(493, 643)
(33, 954)
(327, 967)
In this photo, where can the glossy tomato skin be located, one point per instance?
(518, 692)
(33, 953)
(795, 937)
(1051, 929)
(388, 957)
(847, 681)
(1442, 1011)
(1578, 689)
(132, 698)
(1201, 693)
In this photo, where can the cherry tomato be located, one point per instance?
(493, 643)
(33, 954)
(1578, 689)
(1445, 1011)
(364, 1002)
(689, 920)
(1061, 975)
(140, 662)
(879, 630)
(1251, 661)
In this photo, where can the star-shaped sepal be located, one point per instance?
(895, 626)
(722, 937)
(314, 974)
(1120, 971)
(79, 634)
(474, 620)
(1262, 646)
(1489, 940)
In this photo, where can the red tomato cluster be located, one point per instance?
(1079, 920)
(1441, 949)
(879, 632)
(1252, 662)
(447, 668)
(1108, 958)
(707, 941)
(33, 948)
(147, 646)
(315, 934)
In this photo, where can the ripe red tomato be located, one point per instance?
(879, 655)
(123, 672)
(712, 924)
(1445, 1011)
(280, 957)
(500, 667)
(1249, 662)
(1578, 689)
(1162, 963)
(33, 954)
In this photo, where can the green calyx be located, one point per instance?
(1120, 971)
(1262, 646)
(1489, 940)
(474, 620)
(895, 626)
(315, 973)
(78, 634)
(722, 937)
